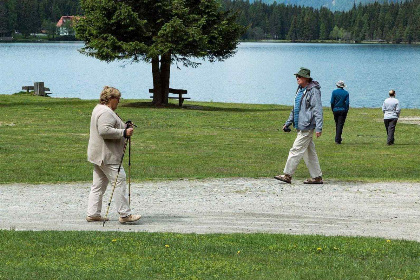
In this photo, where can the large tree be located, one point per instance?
(159, 32)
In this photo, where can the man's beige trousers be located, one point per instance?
(303, 147)
(102, 175)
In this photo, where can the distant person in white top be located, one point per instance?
(391, 109)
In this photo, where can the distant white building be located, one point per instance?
(65, 25)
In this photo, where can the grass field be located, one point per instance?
(45, 140)
(117, 255)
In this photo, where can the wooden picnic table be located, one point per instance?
(38, 89)
(179, 92)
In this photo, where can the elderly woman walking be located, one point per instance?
(105, 151)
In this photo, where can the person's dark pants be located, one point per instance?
(390, 129)
(340, 119)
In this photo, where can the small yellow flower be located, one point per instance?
(114, 240)
(319, 249)
(166, 246)
(389, 241)
(239, 252)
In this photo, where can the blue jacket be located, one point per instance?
(340, 100)
(310, 114)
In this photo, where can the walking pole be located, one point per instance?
(115, 182)
(129, 171)
(129, 124)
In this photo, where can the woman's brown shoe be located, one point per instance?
(317, 180)
(284, 178)
(129, 219)
(96, 219)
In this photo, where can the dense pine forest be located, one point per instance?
(32, 16)
(333, 5)
(385, 22)
(394, 22)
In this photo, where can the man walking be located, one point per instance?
(391, 110)
(306, 116)
(340, 106)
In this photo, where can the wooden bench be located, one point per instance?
(180, 93)
(38, 89)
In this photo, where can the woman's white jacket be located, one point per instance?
(106, 140)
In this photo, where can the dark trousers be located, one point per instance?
(390, 129)
(340, 119)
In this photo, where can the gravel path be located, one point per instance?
(388, 210)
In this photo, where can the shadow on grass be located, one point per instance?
(201, 107)
(40, 104)
(39, 101)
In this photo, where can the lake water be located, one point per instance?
(259, 73)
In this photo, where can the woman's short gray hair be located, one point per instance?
(108, 93)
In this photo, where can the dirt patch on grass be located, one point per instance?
(410, 120)
(7, 124)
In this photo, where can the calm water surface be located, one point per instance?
(259, 73)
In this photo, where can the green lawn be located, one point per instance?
(118, 255)
(45, 140)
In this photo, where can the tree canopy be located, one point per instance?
(160, 32)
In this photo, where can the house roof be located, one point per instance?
(64, 19)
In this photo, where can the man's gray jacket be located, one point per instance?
(391, 108)
(106, 141)
(310, 114)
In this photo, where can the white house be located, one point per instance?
(65, 25)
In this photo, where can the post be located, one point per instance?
(39, 88)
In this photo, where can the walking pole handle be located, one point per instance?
(130, 124)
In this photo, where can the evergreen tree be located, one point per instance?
(27, 17)
(158, 32)
(416, 22)
(4, 23)
(408, 34)
(325, 27)
(11, 14)
(275, 24)
(292, 35)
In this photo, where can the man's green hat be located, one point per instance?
(304, 72)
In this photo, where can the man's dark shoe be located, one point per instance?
(317, 180)
(284, 178)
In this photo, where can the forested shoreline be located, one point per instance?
(35, 16)
(393, 23)
(387, 22)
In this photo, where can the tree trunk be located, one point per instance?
(165, 72)
(157, 87)
(161, 70)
